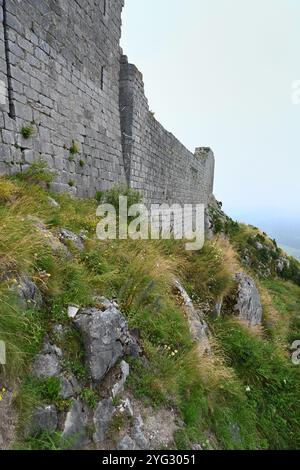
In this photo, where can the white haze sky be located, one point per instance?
(219, 73)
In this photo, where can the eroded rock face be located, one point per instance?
(102, 419)
(45, 366)
(248, 304)
(29, 294)
(127, 444)
(45, 418)
(47, 363)
(106, 338)
(67, 235)
(74, 435)
(197, 324)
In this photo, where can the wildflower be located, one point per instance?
(248, 389)
(1, 397)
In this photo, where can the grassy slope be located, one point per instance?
(243, 396)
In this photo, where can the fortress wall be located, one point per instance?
(62, 73)
(157, 164)
(63, 57)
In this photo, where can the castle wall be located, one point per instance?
(63, 58)
(62, 72)
(157, 164)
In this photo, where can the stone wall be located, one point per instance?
(157, 164)
(63, 57)
(63, 75)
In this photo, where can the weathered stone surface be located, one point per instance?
(102, 419)
(248, 306)
(76, 240)
(45, 418)
(53, 203)
(127, 444)
(69, 387)
(74, 435)
(46, 365)
(118, 388)
(28, 293)
(138, 435)
(92, 119)
(8, 419)
(198, 326)
(105, 335)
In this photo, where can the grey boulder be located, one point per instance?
(104, 334)
(74, 435)
(248, 303)
(127, 444)
(102, 419)
(46, 365)
(45, 418)
(66, 235)
(28, 293)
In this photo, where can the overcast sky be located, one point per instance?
(219, 73)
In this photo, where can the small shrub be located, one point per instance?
(112, 195)
(71, 183)
(74, 149)
(81, 163)
(37, 173)
(27, 131)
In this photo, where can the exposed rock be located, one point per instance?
(158, 427)
(8, 419)
(46, 365)
(248, 304)
(218, 309)
(138, 436)
(45, 418)
(74, 434)
(118, 388)
(53, 203)
(127, 444)
(51, 240)
(281, 264)
(28, 293)
(66, 235)
(126, 407)
(73, 310)
(69, 387)
(235, 432)
(106, 338)
(102, 419)
(49, 348)
(197, 447)
(198, 326)
(59, 331)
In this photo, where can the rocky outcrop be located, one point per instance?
(47, 363)
(198, 326)
(106, 338)
(28, 293)
(68, 236)
(248, 303)
(45, 419)
(74, 435)
(102, 419)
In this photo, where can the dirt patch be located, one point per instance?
(159, 425)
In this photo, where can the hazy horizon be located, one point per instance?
(219, 73)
